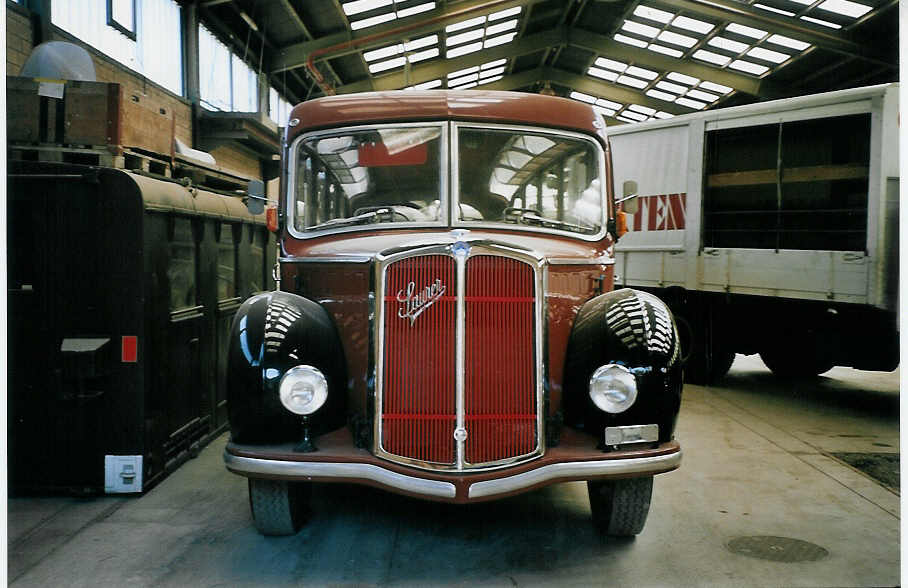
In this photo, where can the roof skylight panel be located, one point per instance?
(463, 72)
(611, 64)
(436, 83)
(583, 97)
(670, 87)
(653, 14)
(774, 9)
(700, 95)
(663, 115)
(788, 42)
(501, 27)
(369, 22)
(505, 13)
(361, 6)
(692, 24)
(465, 24)
(642, 109)
(640, 29)
(768, 55)
(423, 55)
(604, 111)
(464, 49)
(630, 41)
(489, 80)
(453, 40)
(683, 78)
(609, 104)
(358, 6)
(636, 116)
(641, 73)
(664, 50)
(711, 57)
(602, 73)
(387, 64)
(745, 31)
(626, 119)
(653, 93)
(632, 82)
(499, 40)
(495, 71)
(748, 67)
(714, 87)
(690, 103)
(845, 8)
(727, 44)
(677, 39)
(822, 22)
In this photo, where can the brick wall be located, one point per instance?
(18, 39)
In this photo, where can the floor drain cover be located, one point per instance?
(777, 549)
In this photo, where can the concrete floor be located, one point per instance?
(756, 464)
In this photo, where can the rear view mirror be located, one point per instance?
(628, 199)
(255, 197)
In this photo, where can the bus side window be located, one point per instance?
(181, 271)
(227, 262)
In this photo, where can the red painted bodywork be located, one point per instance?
(337, 270)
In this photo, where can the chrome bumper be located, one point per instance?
(440, 489)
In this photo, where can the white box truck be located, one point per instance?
(770, 228)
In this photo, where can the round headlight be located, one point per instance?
(303, 389)
(613, 388)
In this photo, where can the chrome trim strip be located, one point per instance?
(339, 259)
(340, 471)
(589, 469)
(460, 361)
(604, 260)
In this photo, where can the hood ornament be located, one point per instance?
(416, 302)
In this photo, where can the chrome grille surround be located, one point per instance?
(448, 248)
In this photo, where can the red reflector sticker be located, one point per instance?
(130, 349)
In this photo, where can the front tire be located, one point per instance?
(279, 508)
(620, 507)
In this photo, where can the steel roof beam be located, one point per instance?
(294, 56)
(741, 13)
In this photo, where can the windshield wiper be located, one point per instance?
(360, 219)
(529, 216)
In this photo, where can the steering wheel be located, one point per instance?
(514, 211)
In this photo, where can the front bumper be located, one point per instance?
(337, 460)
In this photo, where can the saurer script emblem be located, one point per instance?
(415, 303)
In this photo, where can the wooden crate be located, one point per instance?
(90, 113)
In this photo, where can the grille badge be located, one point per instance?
(460, 434)
(415, 303)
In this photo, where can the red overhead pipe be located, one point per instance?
(328, 89)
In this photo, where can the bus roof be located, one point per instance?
(426, 105)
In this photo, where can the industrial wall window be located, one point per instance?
(257, 249)
(181, 272)
(794, 185)
(121, 15)
(227, 263)
(143, 35)
(226, 82)
(278, 108)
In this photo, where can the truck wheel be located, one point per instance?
(704, 364)
(620, 507)
(791, 364)
(278, 507)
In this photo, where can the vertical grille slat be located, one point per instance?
(418, 401)
(419, 387)
(500, 350)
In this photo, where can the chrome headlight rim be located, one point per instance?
(303, 390)
(613, 388)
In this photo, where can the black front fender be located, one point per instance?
(271, 333)
(634, 329)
